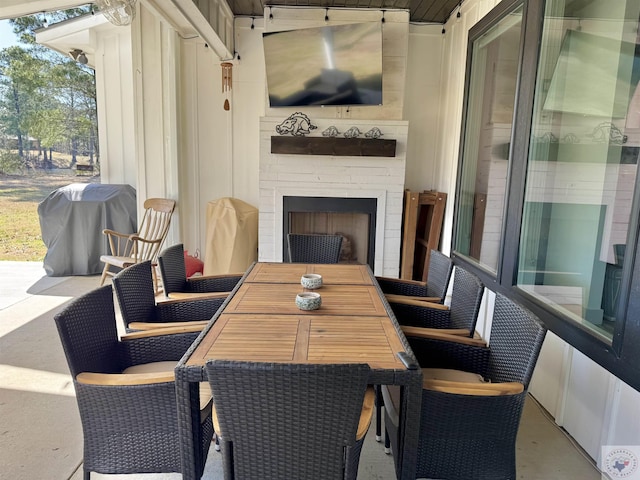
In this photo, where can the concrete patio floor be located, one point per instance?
(40, 432)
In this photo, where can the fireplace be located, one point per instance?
(343, 177)
(353, 218)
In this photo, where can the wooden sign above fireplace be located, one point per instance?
(336, 146)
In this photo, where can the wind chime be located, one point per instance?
(226, 82)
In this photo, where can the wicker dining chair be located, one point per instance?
(290, 421)
(314, 248)
(125, 390)
(176, 284)
(434, 289)
(131, 248)
(459, 318)
(472, 397)
(137, 302)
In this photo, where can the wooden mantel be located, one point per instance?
(336, 146)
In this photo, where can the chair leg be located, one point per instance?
(87, 475)
(387, 442)
(105, 272)
(379, 404)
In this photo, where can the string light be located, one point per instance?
(383, 12)
(326, 14)
(252, 25)
(270, 15)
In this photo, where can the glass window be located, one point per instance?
(582, 161)
(491, 93)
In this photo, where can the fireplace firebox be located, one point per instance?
(353, 218)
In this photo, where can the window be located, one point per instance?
(558, 178)
(491, 87)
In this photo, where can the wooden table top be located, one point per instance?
(261, 322)
(301, 339)
(260, 298)
(333, 274)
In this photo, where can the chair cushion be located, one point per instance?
(450, 375)
(429, 374)
(169, 366)
(363, 425)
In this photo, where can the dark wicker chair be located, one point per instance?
(468, 427)
(288, 421)
(136, 298)
(458, 319)
(313, 248)
(177, 285)
(435, 288)
(129, 419)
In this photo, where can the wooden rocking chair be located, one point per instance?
(131, 248)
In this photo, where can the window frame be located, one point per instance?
(621, 357)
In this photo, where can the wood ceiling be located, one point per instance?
(424, 11)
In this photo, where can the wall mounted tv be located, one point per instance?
(331, 65)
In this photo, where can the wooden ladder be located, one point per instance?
(422, 225)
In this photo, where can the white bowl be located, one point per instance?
(308, 301)
(311, 281)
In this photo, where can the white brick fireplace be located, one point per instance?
(380, 178)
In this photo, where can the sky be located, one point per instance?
(7, 38)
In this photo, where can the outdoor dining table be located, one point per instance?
(260, 321)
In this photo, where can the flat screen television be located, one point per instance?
(331, 65)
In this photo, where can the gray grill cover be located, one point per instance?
(72, 219)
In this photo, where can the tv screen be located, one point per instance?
(332, 65)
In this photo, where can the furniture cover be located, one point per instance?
(232, 236)
(72, 219)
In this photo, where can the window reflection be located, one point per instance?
(488, 124)
(582, 163)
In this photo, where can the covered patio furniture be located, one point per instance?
(314, 248)
(127, 249)
(472, 397)
(232, 236)
(72, 219)
(176, 284)
(136, 298)
(290, 421)
(125, 390)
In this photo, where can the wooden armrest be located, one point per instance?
(115, 379)
(437, 334)
(176, 297)
(408, 300)
(108, 231)
(472, 388)
(214, 277)
(463, 332)
(152, 329)
(403, 280)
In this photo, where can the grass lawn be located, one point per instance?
(20, 238)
